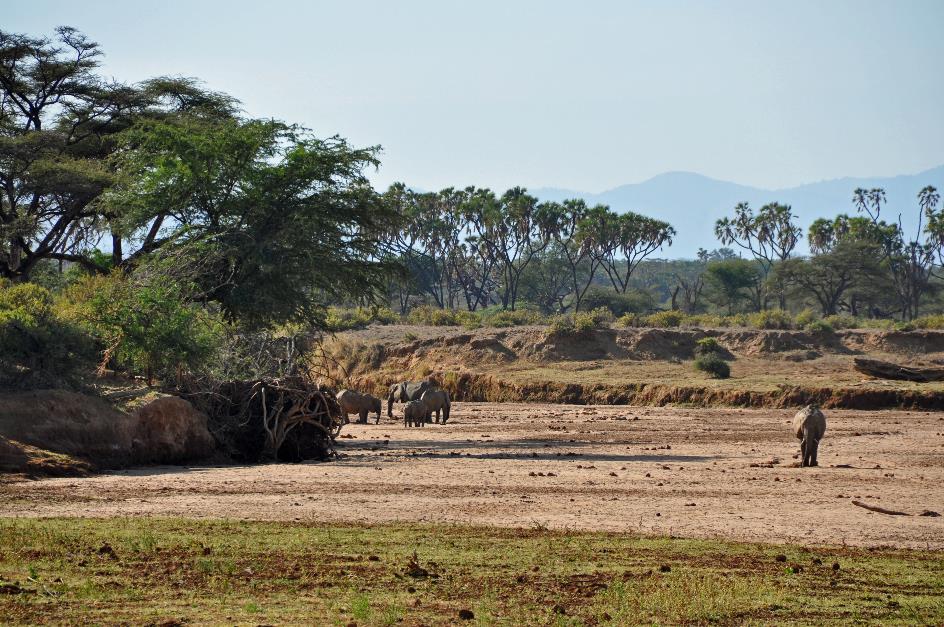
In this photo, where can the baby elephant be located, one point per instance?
(414, 414)
(810, 426)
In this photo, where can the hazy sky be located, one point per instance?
(584, 95)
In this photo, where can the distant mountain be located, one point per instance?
(692, 203)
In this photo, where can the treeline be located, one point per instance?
(472, 249)
(154, 229)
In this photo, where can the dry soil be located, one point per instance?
(703, 473)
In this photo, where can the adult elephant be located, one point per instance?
(352, 402)
(436, 401)
(404, 392)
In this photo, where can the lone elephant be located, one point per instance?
(809, 424)
(404, 392)
(436, 401)
(414, 414)
(352, 402)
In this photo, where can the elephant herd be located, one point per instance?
(422, 399)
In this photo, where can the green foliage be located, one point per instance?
(630, 320)
(708, 346)
(843, 321)
(506, 318)
(713, 365)
(37, 346)
(580, 323)
(664, 319)
(819, 327)
(804, 317)
(148, 328)
(633, 301)
(771, 319)
(929, 322)
(436, 317)
(346, 319)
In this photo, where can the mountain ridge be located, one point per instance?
(692, 202)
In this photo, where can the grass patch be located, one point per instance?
(141, 571)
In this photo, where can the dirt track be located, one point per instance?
(684, 472)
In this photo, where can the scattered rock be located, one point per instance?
(465, 614)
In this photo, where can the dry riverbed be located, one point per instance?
(701, 473)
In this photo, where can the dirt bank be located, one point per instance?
(642, 366)
(684, 472)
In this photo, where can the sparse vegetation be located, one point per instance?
(713, 365)
(92, 570)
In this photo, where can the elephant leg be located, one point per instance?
(363, 417)
(815, 446)
(803, 453)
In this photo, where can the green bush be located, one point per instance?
(664, 319)
(495, 317)
(819, 327)
(703, 321)
(713, 365)
(804, 318)
(935, 321)
(37, 346)
(771, 319)
(434, 316)
(736, 320)
(629, 320)
(616, 303)
(149, 329)
(708, 346)
(843, 321)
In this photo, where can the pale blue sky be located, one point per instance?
(584, 95)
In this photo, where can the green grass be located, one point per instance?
(141, 571)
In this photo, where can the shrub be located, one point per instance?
(771, 319)
(434, 316)
(340, 319)
(929, 322)
(819, 327)
(561, 325)
(708, 346)
(629, 320)
(713, 365)
(584, 322)
(616, 303)
(736, 320)
(804, 318)
(703, 321)
(37, 346)
(146, 328)
(842, 321)
(494, 317)
(665, 319)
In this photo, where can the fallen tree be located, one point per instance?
(287, 419)
(887, 370)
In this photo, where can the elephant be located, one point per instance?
(809, 424)
(352, 402)
(404, 392)
(414, 414)
(436, 401)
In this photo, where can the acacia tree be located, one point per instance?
(910, 260)
(59, 124)
(620, 242)
(259, 216)
(574, 234)
(770, 236)
(830, 276)
(690, 282)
